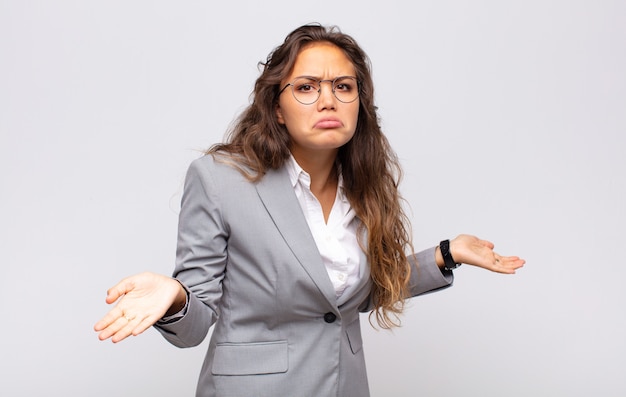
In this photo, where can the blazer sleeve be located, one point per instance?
(426, 276)
(201, 257)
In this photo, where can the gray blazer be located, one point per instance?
(251, 266)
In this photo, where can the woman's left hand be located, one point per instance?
(473, 251)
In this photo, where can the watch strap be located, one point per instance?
(448, 260)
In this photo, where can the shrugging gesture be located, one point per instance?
(288, 230)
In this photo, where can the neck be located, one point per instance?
(321, 168)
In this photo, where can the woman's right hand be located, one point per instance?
(143, 299)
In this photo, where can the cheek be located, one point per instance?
(355, 115)
(282, 112)
(293, 115)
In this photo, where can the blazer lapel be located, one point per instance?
(279, 199)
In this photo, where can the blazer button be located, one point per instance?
(330, 317)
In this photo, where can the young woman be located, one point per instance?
(288, 231)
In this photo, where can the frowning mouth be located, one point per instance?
(329, 123)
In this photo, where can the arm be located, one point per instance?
(146, 298)
(201, 256)
(427, 267)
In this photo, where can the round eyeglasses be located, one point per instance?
(307, 90)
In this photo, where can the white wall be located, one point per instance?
(509, 118)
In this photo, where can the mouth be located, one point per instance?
(329, 123)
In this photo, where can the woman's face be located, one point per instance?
(328, 123)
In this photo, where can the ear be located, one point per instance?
(279, 115)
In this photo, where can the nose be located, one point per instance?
(327, 99)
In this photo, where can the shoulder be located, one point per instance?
(223, 173)
(215, 165)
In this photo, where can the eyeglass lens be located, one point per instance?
(307, 90)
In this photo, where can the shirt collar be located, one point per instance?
(297, 174)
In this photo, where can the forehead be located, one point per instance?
(323, 60)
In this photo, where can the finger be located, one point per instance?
(134, 327)
(109, 318)
(101, 324)
(507, 264)
(124, 326)
(122, 334)
(118, 290)
(510, 259)
(113, 329)
(486, 243)
(143, 325)
(514, 262)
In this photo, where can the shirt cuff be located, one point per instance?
(172, 318)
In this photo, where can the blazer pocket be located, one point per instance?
(353, 330)
(250, 358)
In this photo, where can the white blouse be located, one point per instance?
(336, 240)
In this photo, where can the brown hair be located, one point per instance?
(370, 169)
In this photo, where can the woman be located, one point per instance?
(288, 231)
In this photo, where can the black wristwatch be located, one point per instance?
(448, 260)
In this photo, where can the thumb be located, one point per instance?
(118, 290)
(486, 243)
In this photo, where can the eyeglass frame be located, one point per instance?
(319, 92)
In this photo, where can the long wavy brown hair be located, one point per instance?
(371, 172)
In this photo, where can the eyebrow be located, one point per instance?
(318, 79)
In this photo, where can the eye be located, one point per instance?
(345, 85)
(305, 87)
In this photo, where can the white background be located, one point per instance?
(509, 118)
